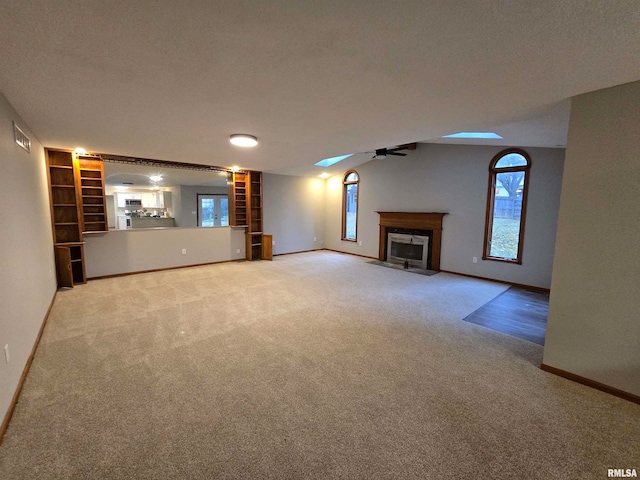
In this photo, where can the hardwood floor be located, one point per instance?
(517, 312)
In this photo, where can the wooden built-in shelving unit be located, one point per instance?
(90, 174)
(76, 193)
(245, 210)
(238, 200)
(254, 230)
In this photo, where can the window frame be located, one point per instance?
(345, 185)
(491, 194)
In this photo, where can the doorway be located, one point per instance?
(213, 210)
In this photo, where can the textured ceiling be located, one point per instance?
(172, 80)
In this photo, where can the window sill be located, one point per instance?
(504, 260)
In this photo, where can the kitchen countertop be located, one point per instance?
(151, 222)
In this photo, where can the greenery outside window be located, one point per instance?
(350, 206)
(506, 206)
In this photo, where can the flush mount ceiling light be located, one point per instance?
(243, 140)
(155, 178)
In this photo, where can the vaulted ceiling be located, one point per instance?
(172, 80)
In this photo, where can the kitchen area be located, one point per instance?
(155, 195)
(140, 209)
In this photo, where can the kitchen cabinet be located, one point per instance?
(153, 200)
(147, 199)
(121, 198)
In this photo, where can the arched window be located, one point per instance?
(506, 206)
(350, 206)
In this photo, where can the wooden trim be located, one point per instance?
(267, 247)
(299, 251)
(25, 371)
(344, 204)
(349, 253)
(591, 383)
(519, 285)
(114, 275)
(108, 157)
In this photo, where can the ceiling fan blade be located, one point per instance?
(407, 146)
(383, 152)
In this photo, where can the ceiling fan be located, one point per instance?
(381, 153)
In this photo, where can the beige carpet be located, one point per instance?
(316, 365)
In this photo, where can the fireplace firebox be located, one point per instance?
(409, 250)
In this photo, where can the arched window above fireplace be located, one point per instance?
(350, 206)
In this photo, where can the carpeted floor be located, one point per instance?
(419, 271)
(316, 365)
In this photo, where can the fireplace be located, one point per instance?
(418, 234)
(408, 250)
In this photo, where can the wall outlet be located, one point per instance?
(273, 242)
(184, 251)
(194, 212)
(315, 239)
(360, 243)
(6, 353)
(475, 259)
(237, 250)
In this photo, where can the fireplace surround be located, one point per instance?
(427, 224)
(408, 250)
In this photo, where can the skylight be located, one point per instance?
(327, 162)
(473, 135)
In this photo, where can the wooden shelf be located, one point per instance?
(76, 189)
(65, 216)
(90, 175)
(245, 210)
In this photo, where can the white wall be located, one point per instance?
(594, 314)
(294, 212)
(137, 250)
(189, 203)
(453, 179)
(27, 283)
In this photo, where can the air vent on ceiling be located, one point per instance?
(21, 138)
